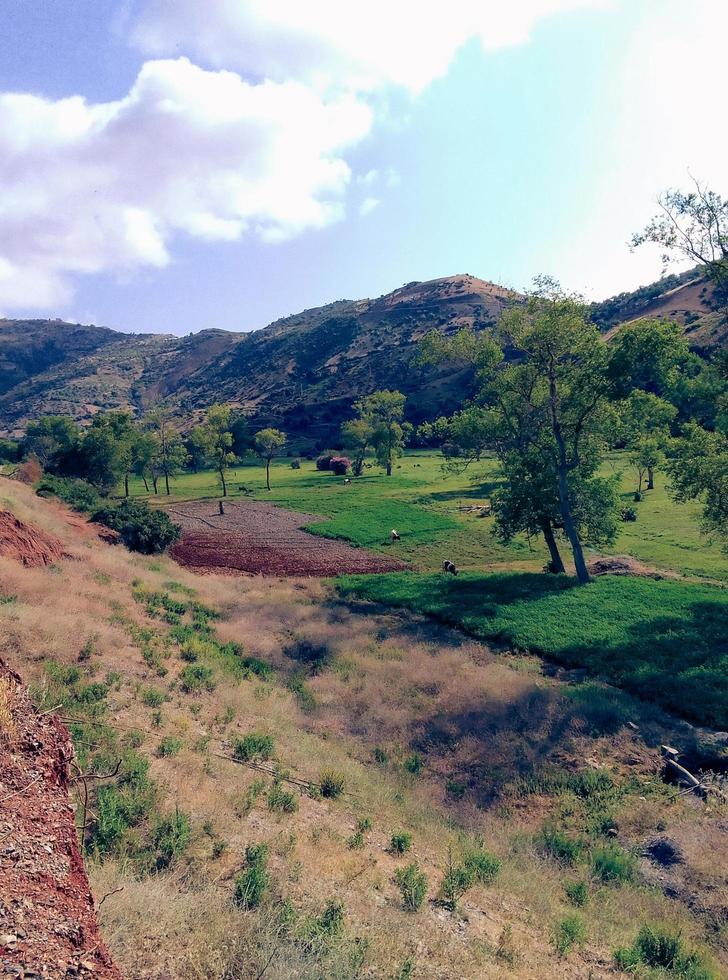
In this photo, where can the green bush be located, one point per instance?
(482, 865)
(412, 883)
(254, 745)
(612, 865)
(331, 783)
(171, 838)
(79, 494)
(456, 881)
(577, 892)
(569, 932)
(196, 678)
(152, 697)
(561, 847)
(141, 527)
(252, 883)
(400, 843)
(281, 799)
(661, 949)
(413, 764)
(169, 745)
(331, 920)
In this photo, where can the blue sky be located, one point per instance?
(168, 173)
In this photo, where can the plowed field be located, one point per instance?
(257, 538)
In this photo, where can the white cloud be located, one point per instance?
(331, 44)
(91, 188)
(368, 205)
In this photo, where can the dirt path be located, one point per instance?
(257, 538)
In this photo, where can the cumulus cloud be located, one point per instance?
(329, 44)
(96, 187)
(368, 205)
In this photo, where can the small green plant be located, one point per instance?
(569, 932)
(171, 838)
(577, 892)
(364, 824)
(482, 865)
(663, 950)
(400, 843)
(455, 788)
(356, 841)
(281, 799)
(253, 882)
(331, 920)
(456, 881)
(561, 847)
(253, 746)
(304, 695)
(331, 783)
(168, 746)
(413, 764)
(197, 678)
(612, 865)
(412, 883)
(380, 756)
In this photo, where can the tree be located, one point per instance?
(242, 436)
(698, 467)
(268, 443)
(647, 354)
(170, 454)
(645, 421)
(692, 225)
(215, 440)
(356, 435)
(106, 450)
(144, 448)
(50, 438)
(383, 411)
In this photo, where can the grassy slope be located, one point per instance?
(421, 502)
(666, 641)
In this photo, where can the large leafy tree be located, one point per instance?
(698, 468)
(383, 413)
(268, 444)
(51, 439)
(214, 440)
(645, 421)
(170, 454)
(106, 450)
(357, 435)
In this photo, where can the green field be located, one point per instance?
(666, 641)
(421, 502)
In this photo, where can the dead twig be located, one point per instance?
(114, 891)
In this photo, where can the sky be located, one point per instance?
(174, 165)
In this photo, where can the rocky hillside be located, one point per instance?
(301, 372)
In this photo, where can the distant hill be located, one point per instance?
(301, 372)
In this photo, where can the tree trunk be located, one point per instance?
(146, 485)
(224, 484)
(650, 478)
(126, 484)
(154, 483)
(389, 466)
(267, 474)
(557, 564)
(570, 528)
(166, 482)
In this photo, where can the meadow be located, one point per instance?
(422, 500)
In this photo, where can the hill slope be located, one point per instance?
(301, 372)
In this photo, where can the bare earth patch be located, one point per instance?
(257, 538)
(26, 543)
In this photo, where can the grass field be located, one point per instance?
(421, 502)
(666, 641)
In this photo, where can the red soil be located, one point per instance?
(260, 539)
(27, 543)
(48, 924)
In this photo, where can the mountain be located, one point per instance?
(301, 372)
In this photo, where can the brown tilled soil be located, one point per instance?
(48, 922)
(259, 539)
(26, 543)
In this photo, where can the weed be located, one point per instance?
(331, 783)
(663, 950)
(558, 845)
(569, 932)
(197, 678)
(400, 843)
(168, 746)
(171, 838)
(152, 697)
(612, 865)
(254, 745)
(281, 800)
(482, 865)
(413, 764)
(456, 881)
(577, 892)
(412, 883)
(252, 883)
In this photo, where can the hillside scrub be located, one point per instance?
(664, 641)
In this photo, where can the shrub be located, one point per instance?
(141, 527)
(76, 493)
(281, 799)
(661, 949)
(612, 865)
(457, 880)
(255, 745)
(412, 883)
(364, 824)
(295, 464)
(569, 931)
(577, 892)
(340, 465)
(169, 745)
(628, 514)
(331, 783)
(323, 463)
(400, 843)
(558, 845)
(171, 838)
(331, 920)
(311, 653)
(413, 764)
(152, 697)
(196, 678)
(356, 841)
(252, 883)
(455, 788)
(483, 866)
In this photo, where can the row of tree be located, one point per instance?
(115, 447)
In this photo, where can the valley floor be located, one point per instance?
(350, 740)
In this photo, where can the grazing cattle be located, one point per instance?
(448, 566)
(347, 480)
(395, 536)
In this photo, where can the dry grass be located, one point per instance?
(387, 682)
(7, 723)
